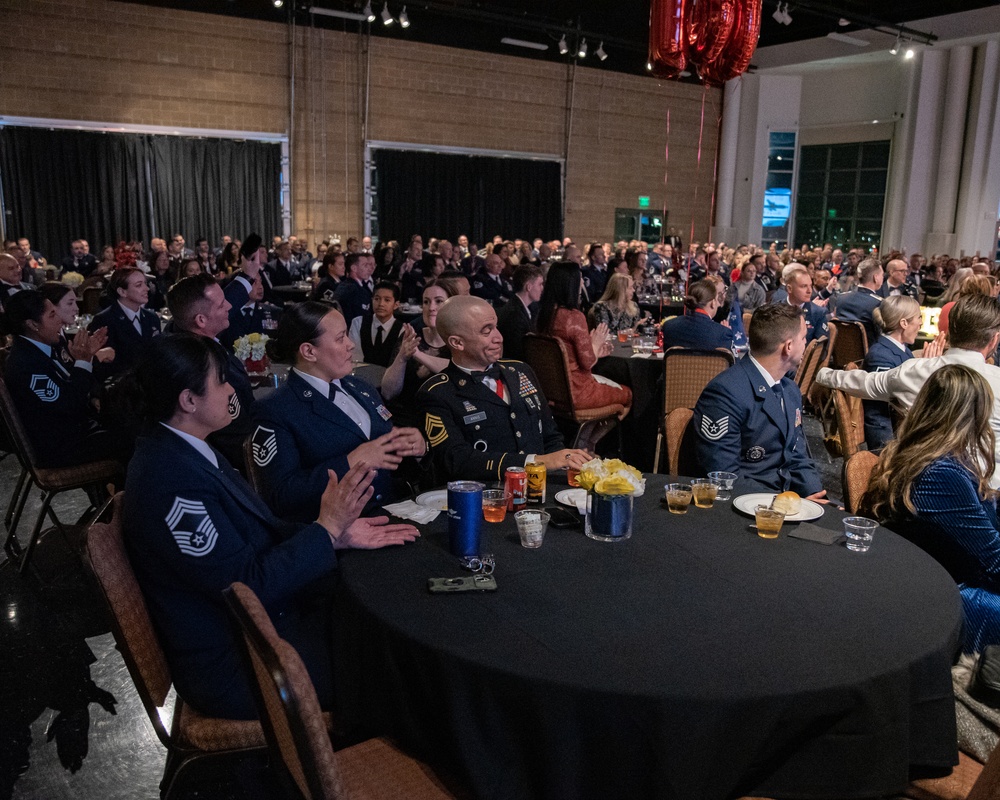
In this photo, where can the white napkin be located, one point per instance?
(581, 503)
(412, 511)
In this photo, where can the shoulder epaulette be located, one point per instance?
(434, 381)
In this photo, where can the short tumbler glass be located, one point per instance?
(859, 532)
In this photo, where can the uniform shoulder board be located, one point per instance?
(510, 363)
(434, 381)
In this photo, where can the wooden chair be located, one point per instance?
(51, 481)
(676, 427)
(192, 736)
(849, 344)
(90, 300)
(296, 733)
(546, 355)
(850, 418)
(747, 316)
(970, 780)
(252, 473)
(856, 476)
(812, 360)
(686, 374)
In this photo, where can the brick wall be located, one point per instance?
(100, 60)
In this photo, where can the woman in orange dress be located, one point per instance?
(559, 316)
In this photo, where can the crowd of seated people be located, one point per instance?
(455, 399)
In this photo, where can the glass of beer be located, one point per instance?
(678, 497)
(769, 522)
(705, 491)
(495, 504)
(571, 476)
(624, 335)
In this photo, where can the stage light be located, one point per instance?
(387, 19)
(278, 3)
(599, 52)
(909, 53)
(583, 49)
(563, 47)
(369, 14)
(404, 21)
(895, 47)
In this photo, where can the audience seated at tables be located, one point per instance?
(799, 287)
(161, 280)
(932, 486)
(53, 397)
(974, 335)
(859, 304)
(520, 316)
(559, 316)
(594, 272)
(282, 270)
(67, 307)
(200, 306)
(254, 317)
(748, 420)
(80, 260)
(376, 333)
(422, 353)
(193, 526)
(481, 414)
(130, 325)
(896, 273)
(748, 291)
(323, 418)
(410, 273)
(330, 274)
(354, 293)
(489, 283)
(697, 328)
(899, 319)
(617, 308)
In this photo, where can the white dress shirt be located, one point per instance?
(203, 447)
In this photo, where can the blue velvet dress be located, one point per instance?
(961, 531)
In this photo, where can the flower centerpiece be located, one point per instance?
(250, 349)
(611, 484)
(72, 279)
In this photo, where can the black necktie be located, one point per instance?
(780, 394)
(333, 391)
(494, 372)
(379, 336)
(247, 312)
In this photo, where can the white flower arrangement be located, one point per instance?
(251, 347)
(72, 279)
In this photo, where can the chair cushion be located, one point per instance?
(213, 735)
(79, 475)
(378, 770)
(952, 787)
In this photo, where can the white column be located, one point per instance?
(924, 146)
(726, 180)
(941, 238)
(900, 162)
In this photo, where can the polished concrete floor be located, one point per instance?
(71, 723)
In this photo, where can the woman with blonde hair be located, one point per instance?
(899, 319)
(616, 308)
(931, 486)
(954, 284)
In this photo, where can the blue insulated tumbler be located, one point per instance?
(465, 517)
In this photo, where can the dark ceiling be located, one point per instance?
(622, 25)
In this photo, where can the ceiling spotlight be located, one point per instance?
(583, 49)
(843, 21)
(895, 47)
(387, 19)
(649, 66)
(909, 53)
(563, 47)
(777, 16)
(278, 3)
(788, 17)
(369, 14)
(404, 21)
(599, 52)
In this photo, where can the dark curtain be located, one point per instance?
(436, 194)
(62, 185)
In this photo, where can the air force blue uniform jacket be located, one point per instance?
(739, 427)
(300, 435)
(128, 343)
(882, 356)
(858, 306)
(696, 331)
(191, 530)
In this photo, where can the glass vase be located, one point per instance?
(609, 517)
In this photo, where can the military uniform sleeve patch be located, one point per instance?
(265, 446)
(45, 388)
(713, 431)
(234, 405)
(192, 527)
(435, 430)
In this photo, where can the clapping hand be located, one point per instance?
(935, 348)
(84, 345)
(383, 452)
(370, 533)
(343, 500)
(599, 340)
(407, 343)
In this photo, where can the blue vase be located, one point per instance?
(609, 517)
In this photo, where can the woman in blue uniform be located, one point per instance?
(697, 328)
(323, 418)
(931, 486)
(193, 526)
(899, 319)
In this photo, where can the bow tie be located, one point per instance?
(495, 372)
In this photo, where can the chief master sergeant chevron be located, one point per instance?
(749, 418)
(482, 415)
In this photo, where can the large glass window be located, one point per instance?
(841, 194)
(778, 189)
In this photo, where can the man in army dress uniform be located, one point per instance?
(749, 418)
(482, 415)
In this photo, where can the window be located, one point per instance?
(778, 189)
(841, 194)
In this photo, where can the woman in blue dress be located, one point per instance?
(932, 487)
(899, 319)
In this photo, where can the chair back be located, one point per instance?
(850, 422)
(850, 343)
(676, 426)
(747, 316)
(105, 556)
(546, 355)
(812, 359)
(15, 428)
(857, 473)
(90, 301)
(687, 372)
(290, 712)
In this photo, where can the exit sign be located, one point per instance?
(643, 201)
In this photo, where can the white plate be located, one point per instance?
(438, 499)
(572, 497)
(748, 502)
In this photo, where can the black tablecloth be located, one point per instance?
(694, 660)
(642, 376)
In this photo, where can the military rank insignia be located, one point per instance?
(713, 431)
(234, 405)
(265, 446)
(191, 527)
(44, 388)
(435, 430)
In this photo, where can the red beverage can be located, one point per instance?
(516, 482)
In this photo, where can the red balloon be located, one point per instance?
(710, 25)
(668, 37)
(739, 49)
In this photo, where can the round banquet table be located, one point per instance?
(642, 374)
(694, 660)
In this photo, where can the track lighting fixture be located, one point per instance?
(599, 52)
(387, 19)
(895, 47)
(583, 49)
(563, 47)
(278, 3)
(369, 14)
(404, 21)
